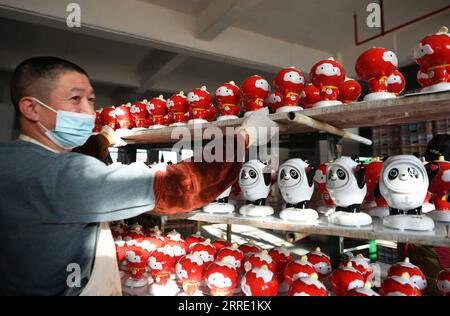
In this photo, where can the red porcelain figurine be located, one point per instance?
(232, 255)
(415, 274)
(255, 90)
(157, 110)
(98, 121)
(259, 281)
(362, 265)
(443, 282)
(221, 278)
(327, 75)
(260, 259)
(344, 279)
(327, 205)
(205, 250)
(308, 286)
(310, 96)
(350, 91)
(124, 117)
(228, 98)
(373, 172)
(178, 109)
(137, 266)
(199, 104)
(189, 271)
(396, 83)
(140, 115)
(375, 66)
(321, 263)
(108, 117)
(433, 56)
(399, 286)
(298, 269)
(439, 176)
(289, 83)
(275, 101)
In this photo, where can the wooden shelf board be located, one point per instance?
(402, 110)
(376, 231)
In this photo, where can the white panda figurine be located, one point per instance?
(254, 182)
(404, 185)
(347, 187)
(296, 184)
(220, 205)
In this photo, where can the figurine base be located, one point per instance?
(379, 212)
(440, 216)
(197, 293)
(256, 210)
(379, 96)
(136, 283)
(350, 219)
(170, 289)
(326, 210)
(227, 117)
(326, 103)
(299, 215)
(219, 208)
(288, 108)
(441, 86)
(157, 126)
(428, 207)
(197, 121)
(409, 222)
(177, 124)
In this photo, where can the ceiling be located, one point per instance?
(321, 24)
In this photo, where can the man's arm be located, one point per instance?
(190, 185)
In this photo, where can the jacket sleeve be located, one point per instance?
(190, 185)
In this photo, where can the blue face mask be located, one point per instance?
(71, 129)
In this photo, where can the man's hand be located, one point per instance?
(113, 138)
(259, 127)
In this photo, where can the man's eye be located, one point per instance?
(76, 98)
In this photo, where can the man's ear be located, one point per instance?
(28, 109)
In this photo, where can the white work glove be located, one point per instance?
(259, 127)
(113, 137)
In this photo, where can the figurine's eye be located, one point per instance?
(294, 174)
(252, 174)
(413, 173)
(341, 174)
(393, 174)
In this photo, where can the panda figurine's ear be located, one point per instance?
(447, 197)
(310, 173)
(360, 172)
(385, 158)
(267, 176)
(432, 170)
(356, 159)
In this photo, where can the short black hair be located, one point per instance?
(438, 146)
(36, 77)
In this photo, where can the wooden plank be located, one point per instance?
(376, 231)
(360, 114)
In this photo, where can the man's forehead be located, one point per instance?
(74, 82)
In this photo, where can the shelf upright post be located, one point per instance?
(336, 242)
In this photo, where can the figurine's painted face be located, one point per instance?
(402, 177)
(289, 176)
(249, 176)
(337, 177)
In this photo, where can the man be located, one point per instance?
(55, 205)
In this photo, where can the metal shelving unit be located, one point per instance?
(407, 109)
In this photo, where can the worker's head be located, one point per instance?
(41, 87)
